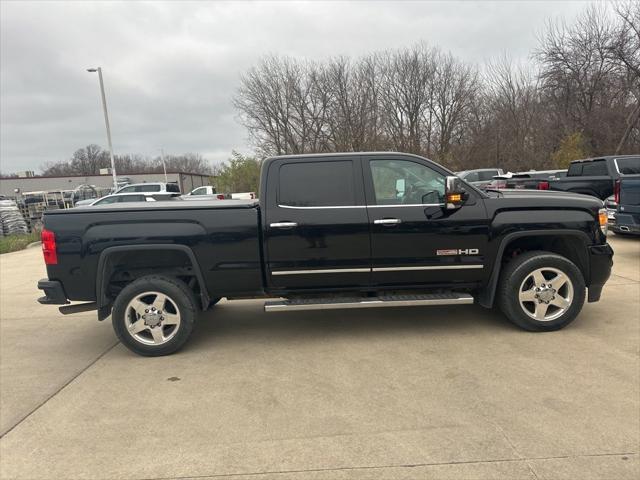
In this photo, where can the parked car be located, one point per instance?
(204, 190)
(595, 176)
(204, 193)
(349, 230)
(121, 198)
(481, 176)
(627, 201)
(524, 180)
(244, 196)
(155, 187)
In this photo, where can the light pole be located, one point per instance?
(164, 166)
(106, 122)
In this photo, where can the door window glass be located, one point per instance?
(471, 177)
(131, 198)
(421, 184)
(487, 175)
(106, 200)
(317, 184)
(199, 191)
(147, 188)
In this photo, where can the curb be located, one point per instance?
(34, 244)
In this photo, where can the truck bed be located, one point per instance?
(224, 237)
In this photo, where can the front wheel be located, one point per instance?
(154, 315)
(541, 291)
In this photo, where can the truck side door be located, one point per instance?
(316, 225)
(414, 240)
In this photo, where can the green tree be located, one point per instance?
(572, 147)
(238, 174)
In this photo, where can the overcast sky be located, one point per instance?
(172, 68)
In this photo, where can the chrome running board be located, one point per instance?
(368, 302)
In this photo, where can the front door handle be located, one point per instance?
(387, 221)
(283, 225)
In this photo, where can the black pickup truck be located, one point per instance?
(594, 176)
(330, 231)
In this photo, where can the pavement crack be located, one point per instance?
(379, 467)
(62, 387)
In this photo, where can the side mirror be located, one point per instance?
(453, 193)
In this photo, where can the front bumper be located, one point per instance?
(53, 292)
(600, 263)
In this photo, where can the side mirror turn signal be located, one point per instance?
(454, 193)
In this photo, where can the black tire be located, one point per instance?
(180, 298)
(520, 270)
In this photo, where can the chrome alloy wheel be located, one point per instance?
(546, 294)
(152, 318)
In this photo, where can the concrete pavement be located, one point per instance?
(393, 393)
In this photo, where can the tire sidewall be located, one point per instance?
(177, 291)
(511, 289)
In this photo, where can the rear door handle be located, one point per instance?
(283, 225)
(387, 221)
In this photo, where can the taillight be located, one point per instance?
(543, 185)
(616, 191)
(49, 247)
(220, 196)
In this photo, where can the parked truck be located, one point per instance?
(594, 176)
(330, 231)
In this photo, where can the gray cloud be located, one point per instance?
(171, 69)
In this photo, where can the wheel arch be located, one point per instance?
(487, 295)
(106, 268)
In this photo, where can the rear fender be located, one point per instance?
(106, 268)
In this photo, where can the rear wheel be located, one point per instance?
(154, 315)
(541, 291)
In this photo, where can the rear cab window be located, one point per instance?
(590, 168)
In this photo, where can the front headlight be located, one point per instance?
(603, 220)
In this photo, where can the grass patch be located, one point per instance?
(13, 243)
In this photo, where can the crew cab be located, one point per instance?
(330, 231)
(595, 176)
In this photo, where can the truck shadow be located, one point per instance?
(246, 321)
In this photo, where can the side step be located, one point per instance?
(368, 302)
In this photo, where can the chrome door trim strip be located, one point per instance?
(329, 270)
(375, 269)
(363, 206)
(429, 267)
(409, 205)
(322, 208)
